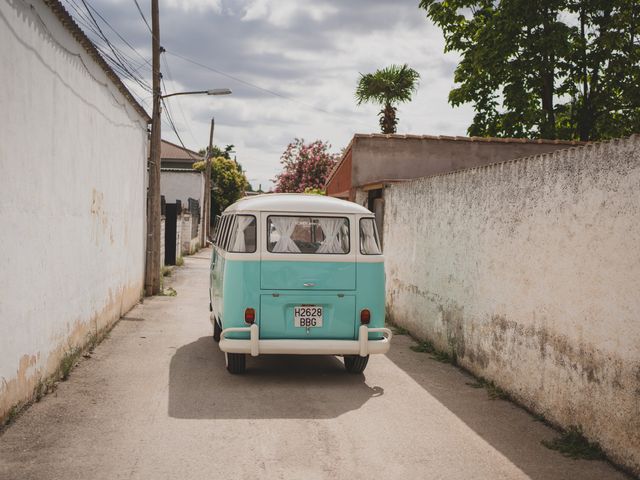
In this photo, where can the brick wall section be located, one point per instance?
(340, 181)
(528, 272)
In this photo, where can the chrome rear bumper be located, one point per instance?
(254, 346)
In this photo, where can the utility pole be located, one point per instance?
(152, 268)
(206, 204)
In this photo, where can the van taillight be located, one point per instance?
(365, 317)
(249, 315)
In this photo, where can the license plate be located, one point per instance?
(307, 316)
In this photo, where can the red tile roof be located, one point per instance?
(171, 151)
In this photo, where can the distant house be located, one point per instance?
(372, 161)
(178, 179)
(182, 189)
(177, 157)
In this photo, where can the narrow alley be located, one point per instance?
(154, 401)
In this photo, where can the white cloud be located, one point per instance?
(282, 13)
(191, 5)
(307, 51)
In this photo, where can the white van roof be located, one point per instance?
(295, 202)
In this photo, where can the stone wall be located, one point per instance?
(528, 272)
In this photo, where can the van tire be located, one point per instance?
(355, 363)
(217, 330)
(236, 363)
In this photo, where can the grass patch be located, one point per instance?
(423, 347)
(168, 292)
(428, 347)
(573, 444)
(12, 414)
(165, 271)
(494, 391)
(445, 357)
(179, 261)
(399, 330)
(475, 384)
(43, 388)
(68, 362)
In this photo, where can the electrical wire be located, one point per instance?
(78, 10)
(143, 17)
(117, 59)
(249, 84)
(175, 130)
(138, 121)
(266, 90)
(173, 83)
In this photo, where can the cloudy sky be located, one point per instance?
(293, 66)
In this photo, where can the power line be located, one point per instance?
(124, 40)
(143, 17)
(266, 90)
(239, 80)
(184, 117)
(175, 130)
(120, 61)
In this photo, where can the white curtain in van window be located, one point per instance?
(239, 243)
(285, 227)
(368, 241)
(331, 229)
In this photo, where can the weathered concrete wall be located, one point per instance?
(72, 157)
(181, 186)
(529, 272)
(379, 157)
(188, 244)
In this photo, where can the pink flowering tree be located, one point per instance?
(305, 166)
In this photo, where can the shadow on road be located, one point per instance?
(275, 386)
(511, 430)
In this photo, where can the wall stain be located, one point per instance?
(35, 368)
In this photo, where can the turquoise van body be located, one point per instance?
(256, 290)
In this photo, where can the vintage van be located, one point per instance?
(297, 274)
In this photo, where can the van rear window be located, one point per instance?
(315, 235)
(243, 234)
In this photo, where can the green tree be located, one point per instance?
(388, 87)
(545, 68)
(228, 180)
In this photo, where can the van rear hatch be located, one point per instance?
(313, 316)
(309, 276)
(310, 270)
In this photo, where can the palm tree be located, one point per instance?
(388, 87)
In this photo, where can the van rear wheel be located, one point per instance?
(236, 363)
(355, 363)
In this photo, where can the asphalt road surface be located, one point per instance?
(155, 402)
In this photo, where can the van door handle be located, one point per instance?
(309, 284)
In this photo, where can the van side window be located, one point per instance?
(220, 233)
(225, 232)
(315, 235)
(369, 243)
(216, 226)
(243, 234)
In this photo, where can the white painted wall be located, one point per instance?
(181, 186)
(72, 207)
(529, 272)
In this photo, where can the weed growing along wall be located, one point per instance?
(73, 155)
(529, 273)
